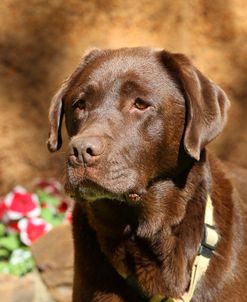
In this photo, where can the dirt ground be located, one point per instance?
(42, 41)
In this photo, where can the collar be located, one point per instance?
(201, 262)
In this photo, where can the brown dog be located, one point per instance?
(139, 121)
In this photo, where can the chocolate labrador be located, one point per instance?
(139, 120)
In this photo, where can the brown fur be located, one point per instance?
(141, 175)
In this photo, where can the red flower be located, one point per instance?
(32, 229)
(20, 204)
(63, 206)
(12, 226)
(3, 210)
(68, 216)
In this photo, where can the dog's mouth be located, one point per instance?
(85, 184)
(90, 191)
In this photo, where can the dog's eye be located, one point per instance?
(141, 104)
(79, 104)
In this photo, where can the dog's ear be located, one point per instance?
(54, 141)
(206, 103)
(56, 111)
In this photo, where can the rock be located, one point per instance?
(52, 281)
(53, 254)
(62, 293)
(29, 288)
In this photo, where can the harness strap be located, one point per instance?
(199, 267)
(201, 261)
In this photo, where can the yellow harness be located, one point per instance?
(202, 260)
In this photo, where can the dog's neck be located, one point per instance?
(163, 232)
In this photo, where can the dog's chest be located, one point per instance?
(129, 255)
(133, 261)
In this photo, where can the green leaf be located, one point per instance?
(4, 267)
(4, 253)
(21, 262)
(10, 242)
(49, 217)
(47, 199)
(46, 214)
(56, 220)
(2, 229)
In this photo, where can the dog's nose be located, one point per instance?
(87, 150)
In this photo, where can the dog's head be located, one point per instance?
(132, 114)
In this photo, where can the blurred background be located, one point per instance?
(41, 43)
